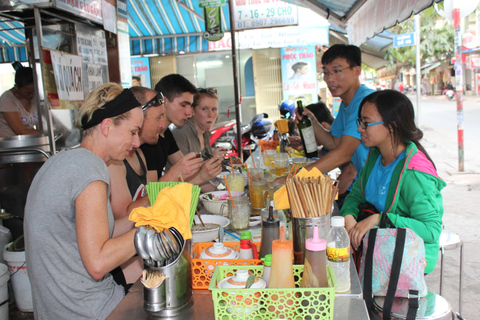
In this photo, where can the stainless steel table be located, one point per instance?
(348, 305)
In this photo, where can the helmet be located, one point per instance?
(287, 109)
(260, 126)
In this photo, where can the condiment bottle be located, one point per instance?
(270, 232)
(248, 250)
(281, 275)
(338, 253)
(246, 235)
(267, 268)
(315, 266)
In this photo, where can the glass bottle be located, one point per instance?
(306, 133)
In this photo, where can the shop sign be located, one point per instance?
(89, 9)
(475, 61)
(299, 74)
(404, 40)
(94, 76)
(67, 69)
(213, 24)
(141, 69)
(264, 14)
(274, 38)
(50, 83)
(211, 3)
(92, 48)
(469, 41)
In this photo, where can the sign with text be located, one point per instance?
(213, 24)
(274, 38)
(211, 3)
(141, 70)
(250, 14)
(89, 9)
(94, 76)
(93, 49)
(475, 61)
(67, 69)
(299, 74)
(404, 40)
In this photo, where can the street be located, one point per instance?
(461, 197)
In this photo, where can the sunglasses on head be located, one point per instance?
(154, 102)
(210, 90)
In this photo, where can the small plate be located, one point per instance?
(255, 221)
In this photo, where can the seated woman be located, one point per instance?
(18, 112)
(128, 178)
(195, 135)
(398, 178)
(68, 218)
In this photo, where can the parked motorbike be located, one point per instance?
(224, 135)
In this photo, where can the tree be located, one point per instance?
(436, 41)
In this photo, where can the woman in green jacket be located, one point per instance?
(399, 178)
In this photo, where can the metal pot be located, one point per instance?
(24, 148)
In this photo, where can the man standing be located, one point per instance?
(341, 72)
(178, 93)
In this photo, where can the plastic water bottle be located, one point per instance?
(338, 253)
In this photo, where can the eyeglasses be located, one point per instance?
(154, 102)
(364, 124)
(334, 72)
(209, 90)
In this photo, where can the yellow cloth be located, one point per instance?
(171, 209)
(280, 197)
(282, 125)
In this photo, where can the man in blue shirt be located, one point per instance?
(341, 72)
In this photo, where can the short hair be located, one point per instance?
(95, 100)
(351, 53)
(298, 65)
(23, 76)
(140, 94)
(136, 78)
(321, 112)
(174, 85)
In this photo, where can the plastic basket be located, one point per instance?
(268, 145)
(202, 269)
(257, 304)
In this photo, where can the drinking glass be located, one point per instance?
(236, 183)
(256, 173)
(280, 164)
(257, 188)
(268, 157)
(239, 214)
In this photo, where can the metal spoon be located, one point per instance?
(138, 241)
(151, 247)
(172, 241)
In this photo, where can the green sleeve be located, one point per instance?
(420, 207)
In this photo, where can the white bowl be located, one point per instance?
(209, 235)
(213, 206)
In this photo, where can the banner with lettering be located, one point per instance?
(89, 9)
(50, 84)
(141, 72)
(67, 69)
(299, 74)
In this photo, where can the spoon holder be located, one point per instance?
(175, 294)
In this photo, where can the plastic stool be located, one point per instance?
(450, 241)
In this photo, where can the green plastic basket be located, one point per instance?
(258, 304)
(153, 188)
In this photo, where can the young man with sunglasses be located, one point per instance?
(341, 72)
(178, 93)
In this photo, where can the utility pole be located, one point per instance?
(418, 67)
(459, 85)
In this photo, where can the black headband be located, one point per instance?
(122, 103)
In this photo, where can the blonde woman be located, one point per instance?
(68, 219)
